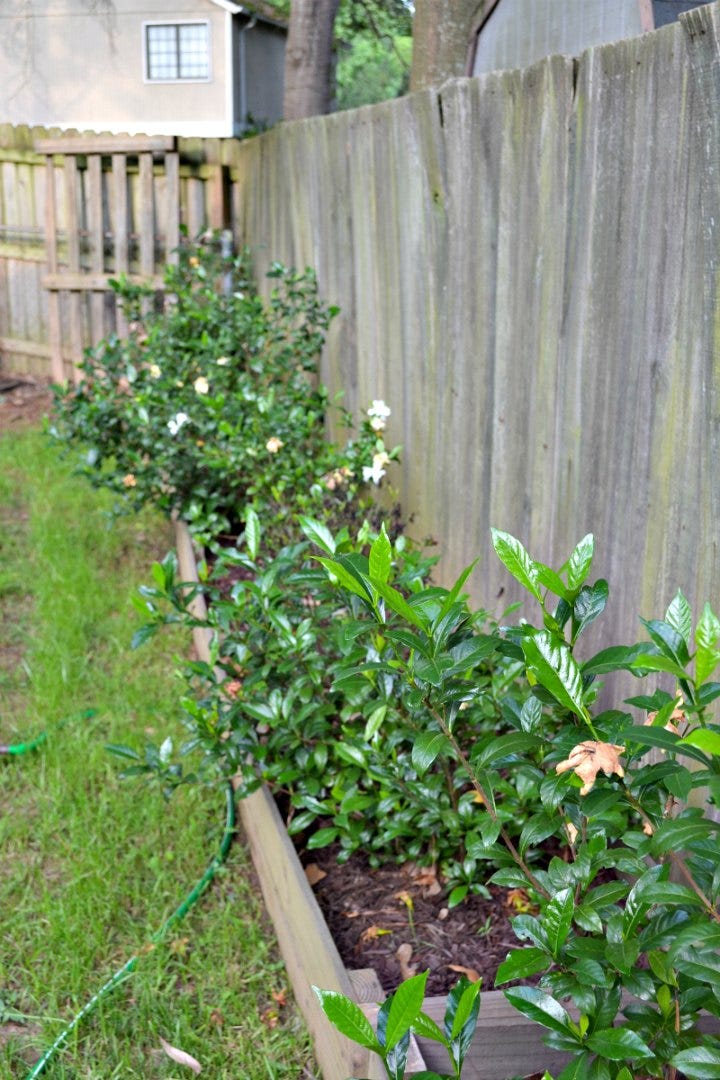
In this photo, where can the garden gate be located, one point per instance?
(112, 206)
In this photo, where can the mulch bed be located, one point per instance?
(372, 914)
(24, 401)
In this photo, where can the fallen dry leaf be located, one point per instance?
(405, 897)
(314, 874)
(572, 833)
(468, 972)
(270, 1018)
(217, 1018)
(179, 946)
(519, 902)
(279, 997)
(427, 878)
(588, 758)
(403, 955)
(181, 1057)
(372, 933)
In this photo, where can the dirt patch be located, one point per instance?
(372, 914)
(24, 402)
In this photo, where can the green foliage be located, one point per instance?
(400, 1016)
(210, 404)
(628, 929)
(371, 69)
(374, 49)
(304, 697)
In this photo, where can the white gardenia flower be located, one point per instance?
(274, 444)
(376, 471)
(155, 371)
(222, 361)
(177, 422)
(378, 413)
(201, 385)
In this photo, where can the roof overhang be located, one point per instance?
(242, 9)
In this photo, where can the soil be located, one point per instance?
(24, 401)
(372, 914)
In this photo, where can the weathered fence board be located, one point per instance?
(527, 269)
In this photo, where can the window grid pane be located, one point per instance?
(178, 51)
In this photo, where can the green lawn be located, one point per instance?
(90, 866)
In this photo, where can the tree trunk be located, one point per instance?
(308, 59)
(442, 39)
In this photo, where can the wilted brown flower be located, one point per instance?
(588, 758)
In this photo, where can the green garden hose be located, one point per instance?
(26, 747)
(158, 936)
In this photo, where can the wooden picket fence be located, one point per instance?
(81, 209)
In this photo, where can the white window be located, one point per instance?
(177, 52)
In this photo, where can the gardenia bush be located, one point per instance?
(211, 403)
(291, 700)
(620, 853)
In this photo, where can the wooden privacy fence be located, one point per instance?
(78, 210)
(527, 269)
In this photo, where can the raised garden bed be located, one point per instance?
(506, 1044)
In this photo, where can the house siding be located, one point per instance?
(520, 32)
(66, 67)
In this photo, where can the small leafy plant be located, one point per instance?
(400, 1016)
(621, 851)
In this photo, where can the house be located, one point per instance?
(172, 67)
(516, 33)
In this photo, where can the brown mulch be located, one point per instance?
(24, 401)
(373, 913)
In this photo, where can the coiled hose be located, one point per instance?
(179, 913)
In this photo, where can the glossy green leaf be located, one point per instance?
(346, 579)
(521, 964)
(616, 658)
(579, 563)
(699, 1062)
(703, 739)
(143, 634)
(653, 662)
(679, 616)
(426, 748)
(539, 1007)
(517, 561)
(252, 532)
(554, 667)
(677, 834)
(397, 603)
(619, 1044)
(667, 640)
(406, 1005)
(557, 919)
(375, 722)
(424, 1026)
(318, 533)
(591, 601)
(665, 740)
(348, 1018)
(380, 557)
(707, 633)
(552, 581)
(454, 593)
(467, 1008)
(515, 742)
